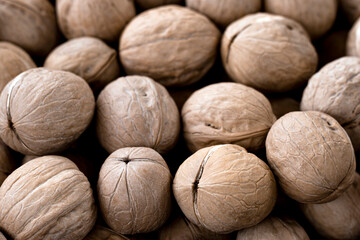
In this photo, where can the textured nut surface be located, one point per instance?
(7, 165)
(87, 57)
(224, 188)
(335, 90)
(102, 233)
(317, 16)
(30, 24)
(268, 52)
(47, 198)
(311, 155)
(274, 228)
(351, 8)
(225, 12)
(59, 106)
(134, 190)
(135, 111)
(338, 219)
(353, 41)
(171, 44)
(226, 113)
(146, 4)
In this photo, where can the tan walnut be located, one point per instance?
(146, 4)
(7, 164)
(353, 40)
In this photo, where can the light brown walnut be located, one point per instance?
(353, 40)
(146, 4)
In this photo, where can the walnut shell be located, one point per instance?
(103, 19)
(134, 190)
(47, 198)
(335, 90)
(102, 233)
(270, 53)
(87, 57)
(224, 188)
(171, 44)
(338, 219)
(59, 107)
(317, 16)
(7, 164)
(225, 12)
(226, 113)
(135, 111)
(146, 4)
(353, 41)
(351, 9)
(30, 24)
(311, 155)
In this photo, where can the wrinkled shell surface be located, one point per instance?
(338, 219)
(47, 198)
(274, 228)
(103, 19)
(172, 44)
(59, 107)
(284, 105)
(224, 12)
(224, 188)
(87, 57)
(317, 16)
(268, 52)
(136, 111)
(30, 24)
(226, 113)
(351, 8)
(353, 41)
(7, 164)
(311, 155)
(335, 90)
(102, 233)
(146, 4)
(134, 190)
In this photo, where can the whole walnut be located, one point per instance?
(134, 190)
(353, 40)
(226, 113)
(311, 155)
(225, 12)
(283, 105)
(171, 44)
(30, 24)
(335, 90)
(146, 4)
(274, 228)
(338, 219)
(43, 111)
(47, 198)
(135, 111)
(317, 16)
(7, 164)
(224, 188)
(87, 57)
(270, 53)
(102, 233)
(351, 9)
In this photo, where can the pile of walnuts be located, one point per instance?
(179, 119)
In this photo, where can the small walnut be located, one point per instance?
(134, 190)
(103, 19)
(59, 107)
(311, 155)
(270, 53)
(30, 24)
(7, 164)
(146, 4)
(317, 16)
(283, 105)
(351, 9)
(335, 90)
(353, 41)
(87, 57)
(47, 198)
(102, 233)
(224, 188)
(226, 113)
(136, 111)
(171, 44)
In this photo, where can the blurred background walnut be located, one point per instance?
(353, 41)
(7, 164)
(102, 233)
(146, 4)
(351, 8)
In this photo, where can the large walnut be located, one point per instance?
(351, 8)
(311, 155)
(171, 44)
(7, 164)
(43, 111)
(353, 41)
(146, 4)
(226, 113)
(102, 233)
(224, 188)
(135, 111)
(268, 52)
(30, 24)
(134, 190)
(335, 90)
(47, 198)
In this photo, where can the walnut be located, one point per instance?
(2, 237)
(283, 105)
(311, 155)
(226, 113)
(351, 9)
(7, 164)
(224, 188)
(59, 107)
(102, 233)
(47, 198)
(146, 4)
(171, 44)
(270, 53)
(335, 90)
(353, 41)
(134, 190)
